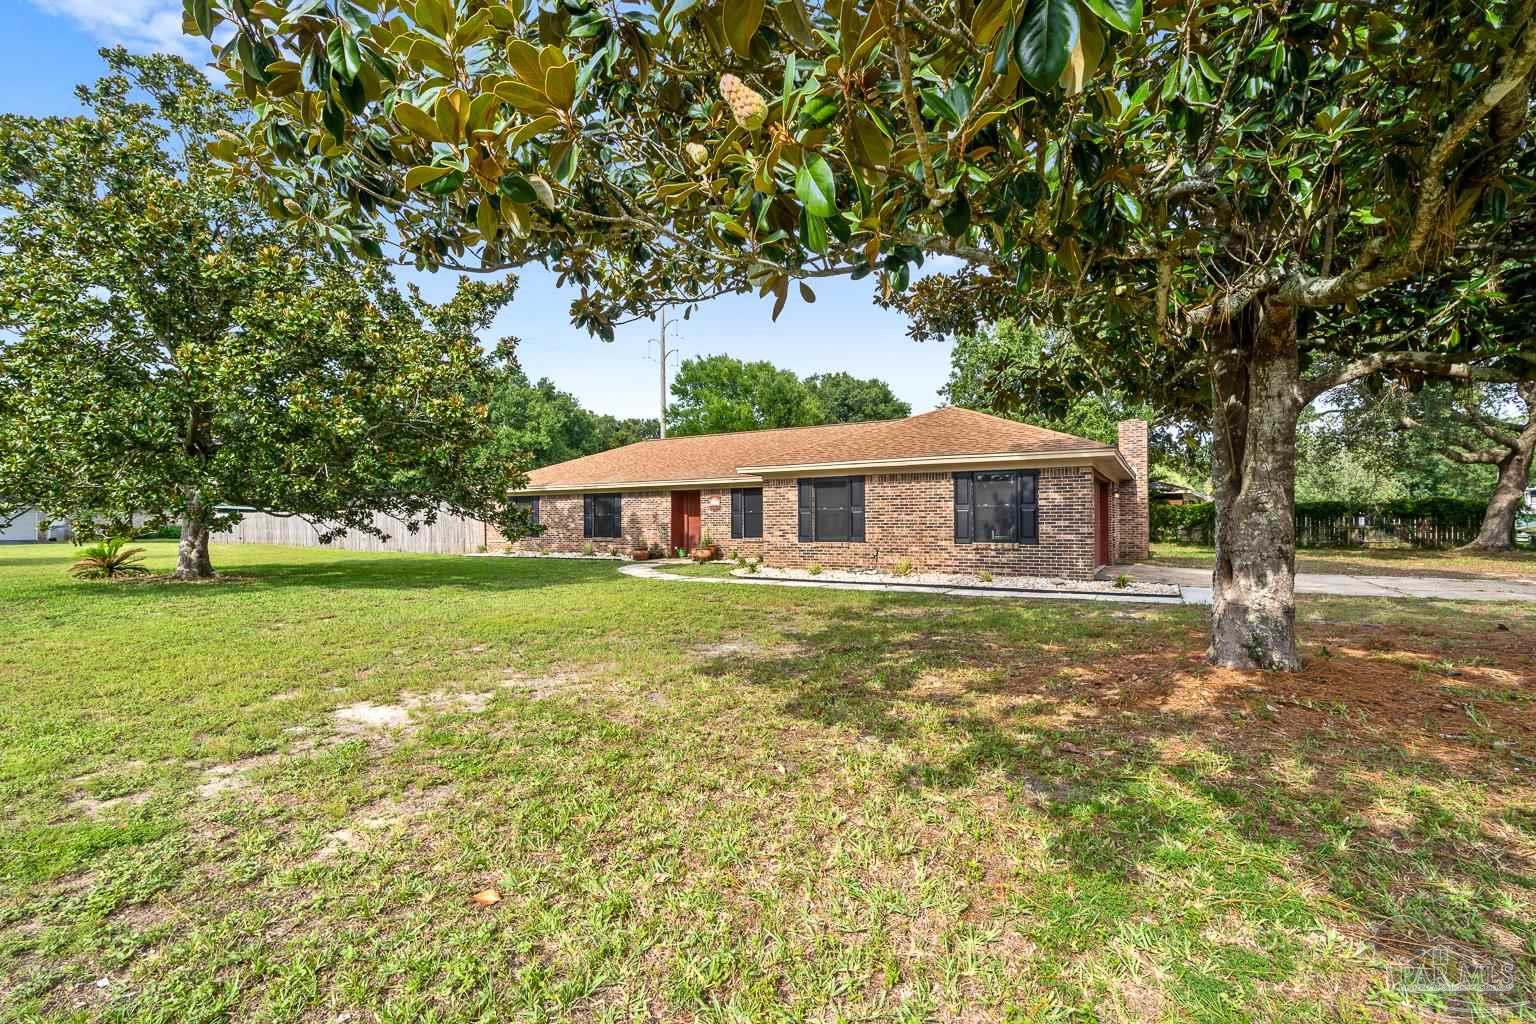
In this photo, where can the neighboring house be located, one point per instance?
(1530, 498)
(950, 490)
(26, 525)
(1162, 492)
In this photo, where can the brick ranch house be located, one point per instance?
(948, 491)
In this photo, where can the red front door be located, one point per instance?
(1101, 521)
(685, 521)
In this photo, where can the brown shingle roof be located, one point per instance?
(931, 436)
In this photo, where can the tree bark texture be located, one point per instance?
(1255, 405)
(192, 562)
(1498, 530)
(1515, 455)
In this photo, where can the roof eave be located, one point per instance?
(637, 485)
(1107, 460)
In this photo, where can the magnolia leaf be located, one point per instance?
(806, 293)
(560, 84)
(487, 897)
(1047, 32)
(1129, 206)
(1124, 15)
(416, 177)
(541, 189)
(487, 221)
(796, 21)
(957, 216)
(524, 58)
(418, 122)
(739, 19)
(988, 19)
(518, 189)
(524, 98)
(1085, 56)
(201, 15)
(434, 16)
(532, 128)
(816, 187)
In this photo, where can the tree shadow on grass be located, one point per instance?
(349, 571)
(1398, 793)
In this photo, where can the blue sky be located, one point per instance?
(48, 46)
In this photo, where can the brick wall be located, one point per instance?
(647, 519)
(911, 517)
(715, 514)
(1131, 496)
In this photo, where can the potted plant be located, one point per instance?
(707, 550)
(639, 552)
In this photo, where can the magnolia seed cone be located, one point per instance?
(747, 107)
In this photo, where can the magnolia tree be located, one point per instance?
(172, 355)
(1182, 185)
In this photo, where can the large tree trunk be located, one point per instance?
(1498, 530)
(1256, 402)
(192, 562)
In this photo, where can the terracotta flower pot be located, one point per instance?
(705, 554)
(640, 554)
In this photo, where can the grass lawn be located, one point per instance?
(718, 568)
(1375, 562)
(273, 798)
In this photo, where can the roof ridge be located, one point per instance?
(784, 430)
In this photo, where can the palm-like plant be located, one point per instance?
(109, 559)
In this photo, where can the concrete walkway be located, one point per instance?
(1196, 584)
(651, 571)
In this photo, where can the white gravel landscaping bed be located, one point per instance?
(550, 554)
(962, 579)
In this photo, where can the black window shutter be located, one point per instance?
(533, 511)
(855, 508)
(752, 513)
(618, 515)
(965, 522)
(736, 514)
(1029, 508)
(807, 511)
(586, 515)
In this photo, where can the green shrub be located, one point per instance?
(903, 567)
(1122, 581)
(587, 548)
(109, 559)
(984, 576)
(814, 568)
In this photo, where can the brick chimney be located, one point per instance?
(1132, 504)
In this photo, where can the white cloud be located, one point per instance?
(144, 26)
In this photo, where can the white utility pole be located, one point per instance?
(664, 354)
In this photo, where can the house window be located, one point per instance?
(746, 513)
(832, 508)
(997, 507)
(602, 515)
(529, 505)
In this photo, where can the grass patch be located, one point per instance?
(716, 569)
(273, 800)
(1375, 561)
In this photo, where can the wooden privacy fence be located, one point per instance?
(1366, 529)
(1333, 527)
(450, 535)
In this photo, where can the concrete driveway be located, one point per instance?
(1196, 584)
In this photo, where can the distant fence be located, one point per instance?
(450, 535)
(1433, 523)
